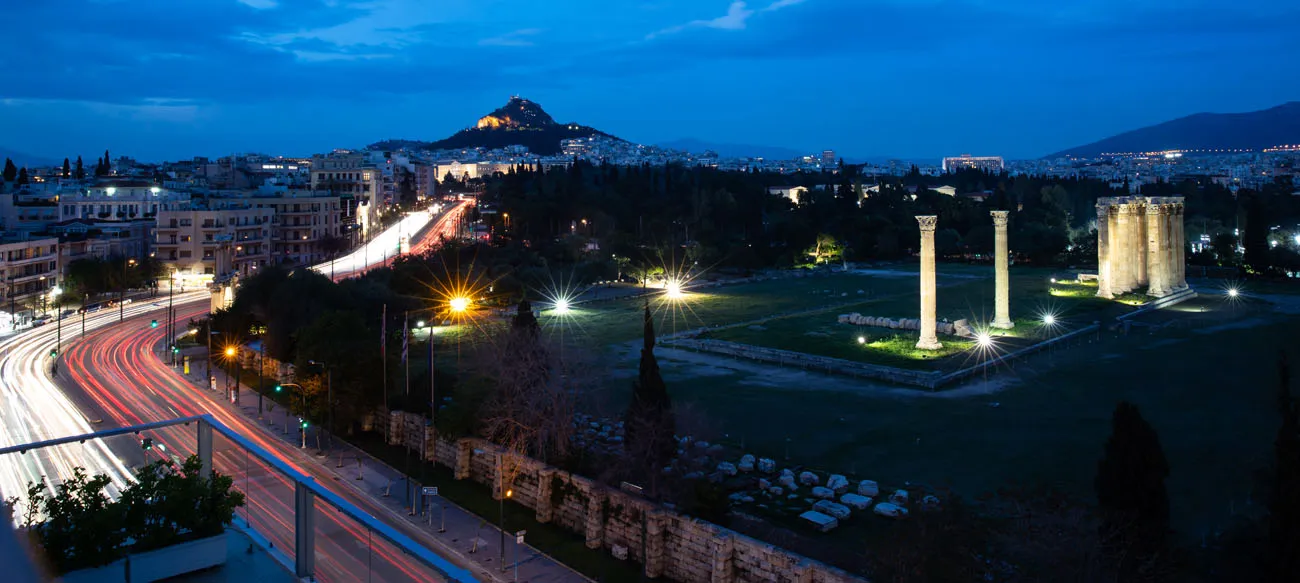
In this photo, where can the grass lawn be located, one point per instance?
(1207, 388)
(1033, 295)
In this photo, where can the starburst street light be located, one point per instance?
(862, 339)
(673, 289)
(230, 351)
(562, 306)
(458, 304)
(984, 340)
(1049, 320)
(1232, 292)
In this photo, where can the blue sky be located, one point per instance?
(167, 79)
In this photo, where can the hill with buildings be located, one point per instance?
(519, 122)
(1254, 130)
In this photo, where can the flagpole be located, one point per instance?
(383, 350)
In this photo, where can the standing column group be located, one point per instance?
(1001, 276)
(1140, 244)
(929, 339)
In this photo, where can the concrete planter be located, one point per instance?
(158, 564)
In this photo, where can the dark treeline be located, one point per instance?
(728, 219)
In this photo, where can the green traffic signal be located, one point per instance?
(54, 352)
(278, 388)
(153, 323)
(146, 443)
(304, 423)
(176, 349)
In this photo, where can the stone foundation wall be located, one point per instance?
(676, 547)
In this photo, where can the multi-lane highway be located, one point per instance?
(115, 376)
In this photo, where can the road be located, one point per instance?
(386, 246)
(116, 376)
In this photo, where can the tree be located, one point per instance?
(67, 168)
(648, 424)
(1255, 237)
(11, 171)
(825, 250)
(1130, 487)
(1284, 505)
(1225, 248)
(530, 409)
(80, 171)
(22, 175)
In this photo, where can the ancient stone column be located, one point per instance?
(1180, 248)
(1001, 277)
(1156, 263)
(1120, 252)
(929, 341)
(1105, 276)
(1141, 275)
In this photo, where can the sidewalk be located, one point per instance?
(386, 488)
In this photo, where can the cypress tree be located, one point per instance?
(649, 423)
(1130, 486)
(11, 171)
(80, 172)
(67, 168)
(1284, 505)
(22, 175)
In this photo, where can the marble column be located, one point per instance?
(1156, 264)
(1180, 249)
(929, 340)
(1105, 275)
(1141, 273)
(1001, 275)
(1122, 259)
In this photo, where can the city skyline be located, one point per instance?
(908, 80)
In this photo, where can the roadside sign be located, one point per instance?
(430, 490)
(519, 536)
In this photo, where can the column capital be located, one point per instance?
(999, 218)
(927, 222)
(1154, 209)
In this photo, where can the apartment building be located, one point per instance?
(306, 227)
(357, 178)
(28, 272)
(200, 244)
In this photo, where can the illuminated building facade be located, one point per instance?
(990, 164)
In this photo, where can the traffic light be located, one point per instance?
(304, 423)
(278, 388)
(175, 349)
(153, 323)
(146, 443)
(54, 352)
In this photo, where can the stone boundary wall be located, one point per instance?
(669, 545)
(839, 366)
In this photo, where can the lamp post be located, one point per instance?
(171, 336)
(501, 520)
(232, 360)
(302, 427)
(329, 395)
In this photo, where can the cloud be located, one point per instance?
(779, 4)
(511, 39)
(734, 19)
(260, 4)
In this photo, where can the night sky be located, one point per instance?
(1021, 78)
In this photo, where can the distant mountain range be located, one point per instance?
(519, 122)
(25, 159)
(1253, 130)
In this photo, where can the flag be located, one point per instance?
(406, 334)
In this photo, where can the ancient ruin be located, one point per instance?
(1001, 277)
(1140, 243)
(929, 340)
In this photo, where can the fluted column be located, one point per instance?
(1001, 276)
(1105, 275)
(1122, 253)
(1156, 263)
(1141, 276)
(1180, 248)
(929, 340)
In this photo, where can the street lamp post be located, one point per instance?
(171, 332)
(302, 427)
(329, 395)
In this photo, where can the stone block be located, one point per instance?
(899, 497)
(963, 328)
(868, 488)
(746, 463)
(855, 501)
(823, 492)
(763, 484)
(819, 521)
(786, 480)
(890, 510)
(727, 468)
(838, 483)
(930, 502)
(839, 511)
(766, 465)
(775, 491)
(808, 479)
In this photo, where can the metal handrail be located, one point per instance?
(406, 544)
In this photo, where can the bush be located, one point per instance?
(84, 528)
